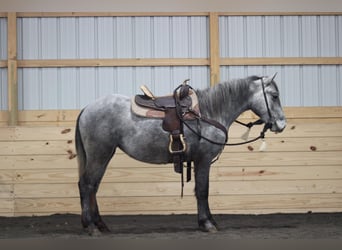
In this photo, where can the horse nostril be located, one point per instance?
(281, 124)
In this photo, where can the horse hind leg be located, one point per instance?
(92, 163)
(90, 218)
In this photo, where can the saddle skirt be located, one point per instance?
(144, 106)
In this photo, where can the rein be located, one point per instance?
(224, 130)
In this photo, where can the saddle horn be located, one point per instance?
(147, 92)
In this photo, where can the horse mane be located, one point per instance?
(216, 100)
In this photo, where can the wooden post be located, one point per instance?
(12, 74)
(214, 48)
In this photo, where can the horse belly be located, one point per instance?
(147, 142)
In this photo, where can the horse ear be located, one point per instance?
(269, 79)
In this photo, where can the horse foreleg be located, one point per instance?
(205, 219)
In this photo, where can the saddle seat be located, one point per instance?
(149, 106)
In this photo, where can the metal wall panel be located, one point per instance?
(299, 85)
(339, 35)
(276, 36)
(67, 38)
(74, 88)
(273, 47)
(3, 71)
(232, 34)
(287, 36)
(174, 37)
(291, 34)
(3, 38)
(113, 37)
(3, 89)
(106, 37)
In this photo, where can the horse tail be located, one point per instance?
(81, 154)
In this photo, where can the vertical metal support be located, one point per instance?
(214, 48)
(12, 73)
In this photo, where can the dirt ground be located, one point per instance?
(274, 226)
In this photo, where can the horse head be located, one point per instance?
(265, 103)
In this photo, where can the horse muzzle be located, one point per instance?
(278, 125)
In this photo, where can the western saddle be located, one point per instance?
(173, 110)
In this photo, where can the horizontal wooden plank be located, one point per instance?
(290, 145)
(156, 205)
(142, 62)
(44, 133)
(6, 207)
(37, 147)
(7, 133)
(139, 189)
(37, 162)
(56, 63)
(279, 159)
(159, 175)
(294, 129)
(313, 112)
(33, 133)
(281, 202)
(263, 173)
(107, 14)
(6, 191)
(6, 176)
(277, 13)
(227, 158)
(56, 116)
(281, 61)
(67, 147)
(214, 211)
(60, 117)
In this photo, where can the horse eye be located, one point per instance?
(275, 96)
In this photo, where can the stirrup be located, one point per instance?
(182, 150)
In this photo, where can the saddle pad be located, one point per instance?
(153, 113)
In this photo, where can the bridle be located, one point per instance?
(218, 125)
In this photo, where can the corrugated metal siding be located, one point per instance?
(174, 37)
(3, 56)
(74, 88)
(106, 37)
(277, 36)
(299, 85)
(113, 37)
(3, 89)
(3, 38)
(287, 36)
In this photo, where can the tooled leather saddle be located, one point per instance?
(173, 110)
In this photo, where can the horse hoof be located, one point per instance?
(102, 227)
(97, 230)
(93, 231)
(208, 227)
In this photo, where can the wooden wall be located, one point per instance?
(300, 171)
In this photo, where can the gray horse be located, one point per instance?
(108, 124)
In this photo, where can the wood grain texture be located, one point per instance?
(300, 171)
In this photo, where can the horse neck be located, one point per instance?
(225, 101)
